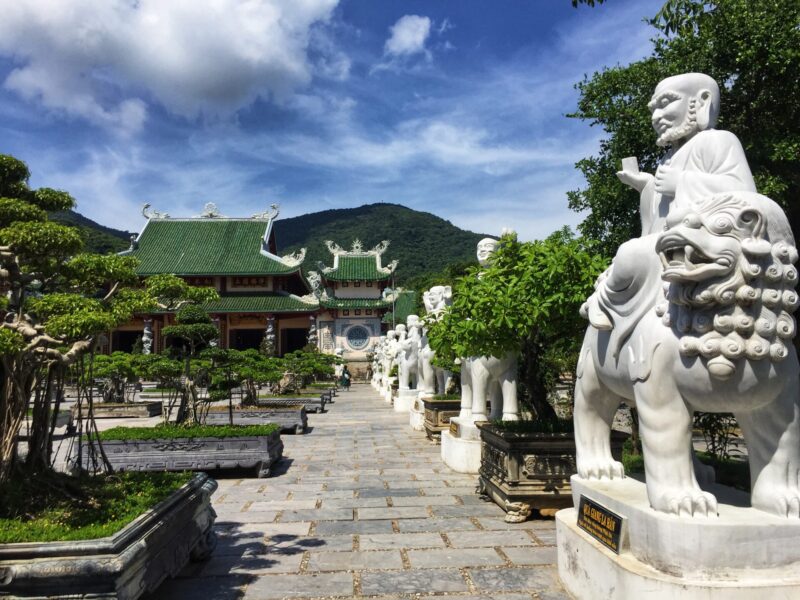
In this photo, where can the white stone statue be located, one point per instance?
(147, 337)
(489, 378)
(408, 354)
(389, 354)
(433, 378)
(696, 315)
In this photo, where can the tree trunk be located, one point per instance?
(535, 381)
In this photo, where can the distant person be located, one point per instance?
(346, 378)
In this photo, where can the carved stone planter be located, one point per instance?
(103, 410)
(292, 419)
(193, 454)
(124, 566)
(438, 413)
(522, 472)
(315, 405)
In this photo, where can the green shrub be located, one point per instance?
(58, 507)
(170, 431)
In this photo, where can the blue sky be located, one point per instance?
(456, 108)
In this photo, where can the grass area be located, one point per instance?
(170, 431)
(291, 395)
(537, 426)
(447, 397)
(159, 390)
(58, 507)
(731, 472)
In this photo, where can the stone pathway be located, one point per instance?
(364, 507)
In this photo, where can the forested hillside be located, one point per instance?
(422, 242)
(98, 238)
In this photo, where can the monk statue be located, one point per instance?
(701, 161)
(696, 315)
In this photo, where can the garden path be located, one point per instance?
(363, 507)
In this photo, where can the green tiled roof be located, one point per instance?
(268, 302)
(355, 303)
(406, 304)
(205, 247)
(356, 268)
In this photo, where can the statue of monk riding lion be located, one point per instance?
(696, 315)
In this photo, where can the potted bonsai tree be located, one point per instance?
(526, 301)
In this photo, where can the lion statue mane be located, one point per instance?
(719, 341)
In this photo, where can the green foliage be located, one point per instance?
(50, 199)
(14, 175)
(530, 288)
(718, 431)
(172, 291)
(57, 507)
(169, 431)
(421, 242)
(43, 244)
(10, 342)
(13, 210)
(93, 271)
(752, 49)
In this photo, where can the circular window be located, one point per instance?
(357, 337)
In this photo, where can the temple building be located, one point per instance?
(354, 295)
(338, 308)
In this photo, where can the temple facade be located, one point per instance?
(338, 308)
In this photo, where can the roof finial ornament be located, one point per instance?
(380, 248)
(270, 214)
(210, 211)
(152, 214)
(334, 248)
(357, 247)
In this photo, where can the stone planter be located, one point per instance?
(103, 410)
(522, 472)
(124, 566)
(438, 413)
(292, 419)
(315, 405)
(193, 454)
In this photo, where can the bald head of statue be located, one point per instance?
(682, 106)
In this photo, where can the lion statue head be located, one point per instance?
(728, 267)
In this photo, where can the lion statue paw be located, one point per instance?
(691, 502)
(601, 469)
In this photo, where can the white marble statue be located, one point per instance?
(408, 354)
(488, 378)
(696, 315)
(433, 379)
(147, 337)
(389, 354)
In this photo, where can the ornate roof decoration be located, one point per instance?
(153, 214)
(357, 248)
(318, 291)
(210, 211)
(390, 267)
(270, 214)
(357, 264)
(295, 259)
(334, 248)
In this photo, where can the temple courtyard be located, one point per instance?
(362, 506)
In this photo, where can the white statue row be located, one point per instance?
(484, 379)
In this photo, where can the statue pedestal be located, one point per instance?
(461, 446)
(416, 416)
(743, 553)
(405, 400)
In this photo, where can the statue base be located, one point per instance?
(405, 400)
(461, 446)
(743, 553)
(416, 416)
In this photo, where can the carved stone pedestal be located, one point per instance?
(405, 400)
(741, 554)
(461, 446)
(416, 416)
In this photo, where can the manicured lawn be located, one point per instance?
(58, 507)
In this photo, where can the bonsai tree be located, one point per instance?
(525, 301)
(195, 329)
(254, 369)
(117, 370)
(302, 366)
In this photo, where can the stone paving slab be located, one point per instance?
(363, 507)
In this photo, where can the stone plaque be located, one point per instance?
(600, 523)
(454, 429)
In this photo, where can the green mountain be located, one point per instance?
(98, 238)
(422, 243)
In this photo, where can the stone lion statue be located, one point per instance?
(695, 315)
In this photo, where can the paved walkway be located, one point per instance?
(364, 507)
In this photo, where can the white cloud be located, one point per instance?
(408, 36)
(101, 60)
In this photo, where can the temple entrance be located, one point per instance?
(293, 339)
(246, 339)
(123, 341)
